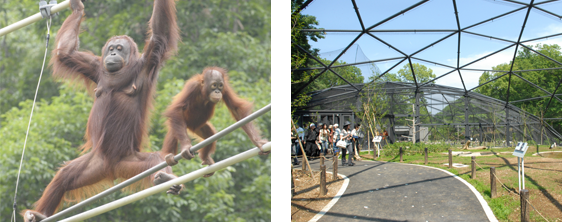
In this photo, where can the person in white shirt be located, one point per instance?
(337, 136)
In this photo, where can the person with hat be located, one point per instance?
(311, 140)
(346, 135)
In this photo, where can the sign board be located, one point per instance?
(520, 149)
(377, 139)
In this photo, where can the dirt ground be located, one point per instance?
(307, 201)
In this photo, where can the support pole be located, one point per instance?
(32, 19)
(519, 172)
(162, 165)
(425, 150)
(400, 154)
(450, 158)
(323, 190)
(165, 186)
(473, 166)
(493, 191)
(524, 205)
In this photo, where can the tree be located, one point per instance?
(423, 74)
(519, 89)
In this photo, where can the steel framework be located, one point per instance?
(472, 106)
(442, 109)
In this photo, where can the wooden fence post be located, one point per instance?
(323, 190)
(493, 192)
(524, 206)
(400, 154)
(425, 156)
(450, 158)
(473, 166)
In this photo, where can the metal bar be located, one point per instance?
(162, 165)
(318, 75)
(304, 5)
(388, 70)
(484, 70)
(493, 18)
(549, 1)
(534, 98)
(165, 186)
(387, 44)
(397, 14)
(436, 63)
(349, 64)
(553, 93)
(544, 37)
(516, 2)
(538, 87)
(548, 12)
(32, 19)
(459, 53)
(487, 36)
(488, 82)
(358, 15)
(530, 70)
(379, 30)
(551, 59)
(515, 53)
(432, 44)
(413, 73)
(470, 63)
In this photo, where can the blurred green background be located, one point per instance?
(231, 34)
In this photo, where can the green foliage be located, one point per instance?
(231, 34)
(519, 89)
(410, 149)
(423, 74)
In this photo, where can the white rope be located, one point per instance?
(31, 116)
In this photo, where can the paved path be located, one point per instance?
(382, 191)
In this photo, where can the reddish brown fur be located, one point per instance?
(117, 126)
(191, 109)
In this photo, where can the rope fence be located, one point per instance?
(512, 190)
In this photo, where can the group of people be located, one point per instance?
(324, 139)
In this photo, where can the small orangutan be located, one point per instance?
(124, 82)
(194, 106)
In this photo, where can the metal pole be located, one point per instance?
(523, 172)
(161, 165)
(165, 186)
(519, 172)
(32, 19)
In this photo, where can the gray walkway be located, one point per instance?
(381, 191)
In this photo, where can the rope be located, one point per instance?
(511, 191)
(31, 116)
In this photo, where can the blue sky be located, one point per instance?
(435, 14)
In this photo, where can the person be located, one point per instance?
(360, 136)
(331, 138)
(311, 140)
(337, 136)
(300, 134)
(323, 138)
(354, 138)
(294, 148)
(346, 135)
